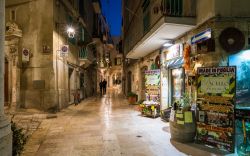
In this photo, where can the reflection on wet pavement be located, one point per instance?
(103, 126)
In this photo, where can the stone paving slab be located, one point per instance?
(105, 126)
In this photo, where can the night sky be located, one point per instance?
(112, 11)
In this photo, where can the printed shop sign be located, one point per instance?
(215, 103)
(152, 84)
(202, 36)
(215, 84)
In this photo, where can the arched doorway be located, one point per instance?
(143, 79)
(129, 82)
(6, 83)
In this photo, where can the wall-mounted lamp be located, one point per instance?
(69, 29)
(168, 43)
(71, 32)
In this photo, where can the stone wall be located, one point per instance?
(48, 80)
(136, 69)
(219, 57)
(37, 75)
(5, 127)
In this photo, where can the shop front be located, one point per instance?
(216, 80)
(172, 75)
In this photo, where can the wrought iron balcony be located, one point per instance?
(179, 8)
(86, 57)
(169, 20)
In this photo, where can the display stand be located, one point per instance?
(150, 109)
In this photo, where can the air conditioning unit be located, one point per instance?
(232, 40)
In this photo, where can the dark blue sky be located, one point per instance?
(112, 11)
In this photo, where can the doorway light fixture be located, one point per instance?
(168, 43)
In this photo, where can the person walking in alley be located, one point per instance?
(104, 83)
(76, 97)
(101, 87)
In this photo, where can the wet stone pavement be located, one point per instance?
(105, 126)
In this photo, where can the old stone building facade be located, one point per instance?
(50, 53)
(149, 25)
(5, 127)
(114, 71)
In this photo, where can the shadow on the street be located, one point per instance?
(195, 149)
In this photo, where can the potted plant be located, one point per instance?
(182, 120)
(132, 98)
(185, 103)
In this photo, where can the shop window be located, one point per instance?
(177, 84)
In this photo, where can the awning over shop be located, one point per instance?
(174, 63)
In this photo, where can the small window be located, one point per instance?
(13, 15)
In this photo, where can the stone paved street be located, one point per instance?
(105, 126)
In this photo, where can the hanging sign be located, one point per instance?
(174, 51)
(205, 35)
(216, 100)
(25, 55)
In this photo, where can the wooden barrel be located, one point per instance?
(183, 132)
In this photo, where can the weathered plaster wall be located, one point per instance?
(220, 56)
(65, 67)
(205, 10)
(37, 27)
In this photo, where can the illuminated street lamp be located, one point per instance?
(71, 32)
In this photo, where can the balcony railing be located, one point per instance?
(85, 55)
(178, 8)
(138, 27)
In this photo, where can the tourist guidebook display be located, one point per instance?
(215, 103)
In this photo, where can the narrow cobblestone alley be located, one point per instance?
(105, 126)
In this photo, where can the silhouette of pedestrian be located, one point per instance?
(104, 85)
(76, 97)
(101, 87)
